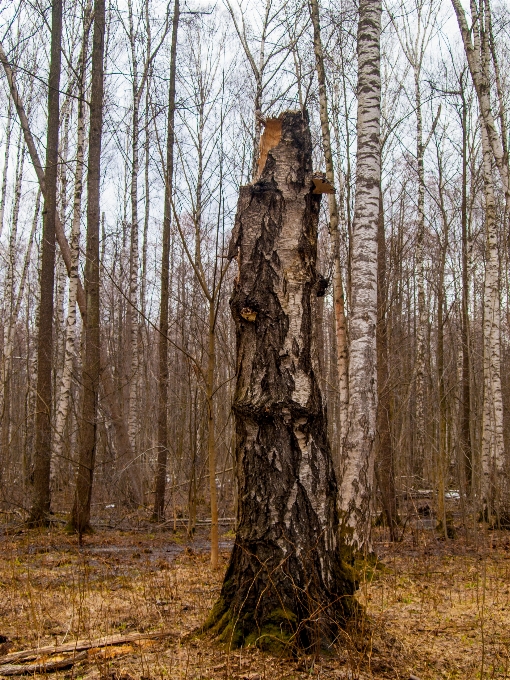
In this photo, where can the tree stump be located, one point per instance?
(286, 582)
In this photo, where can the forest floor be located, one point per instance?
(438, 609)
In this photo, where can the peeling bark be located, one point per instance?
(286, 582)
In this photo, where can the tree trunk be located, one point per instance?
(358, 453)
(211, 431)
(40, 509)
(70, 330)
(442, 449)
(158, 512)
(120, 428)
(80, 516)
(475, 58)
(8, 128)
(384, 459)
(420, 266)
(133, 492)
(334, 234)
(10, 312)
(286, 582)
(493, 449)
(466, 446)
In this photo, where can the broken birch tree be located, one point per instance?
(286, 582)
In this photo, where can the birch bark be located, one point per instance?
(493, 483)
(9, 320)
(121, 431)
(472, 48)
(286, 582)
(357, 469)
(334, 233)
(476, 39)
(80, 515)
(6, 164)
(70, 329)
(40, 508)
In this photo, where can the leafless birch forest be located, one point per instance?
(255, 338)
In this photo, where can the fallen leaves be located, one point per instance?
(435, 610)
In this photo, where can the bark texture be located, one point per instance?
(39, 512)
(334, 232)
(80, 516)
(74, 275)
(385, 461)
(286, 582)
(358, 452)
(158, 512)
(493, 478)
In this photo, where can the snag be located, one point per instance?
(286, 582)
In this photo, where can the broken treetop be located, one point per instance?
(275, 241)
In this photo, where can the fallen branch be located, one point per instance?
(42, 667)
(78, 646)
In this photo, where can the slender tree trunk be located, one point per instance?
(80, 516)
(475, 59)
(134, 493)
(286, 582)
(8, 127)
(120, 428)
(384, 458)
(465, 428)
(161, 470)
(40, 509)
(358, 453)
(211, 431)
(420, 265)
(442, 450)
(9, 320)
(493, 449)
(70, 330)
(36, 162)
(334, 233)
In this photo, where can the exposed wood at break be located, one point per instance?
(270, 138)
(322, 185)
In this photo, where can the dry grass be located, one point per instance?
(438, 610)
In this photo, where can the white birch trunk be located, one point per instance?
(470, 38)
(6, 164)
(9, 321)
(493, 449)
(133, 258)
(65, 383)
(357, 468)
(70, 329)
(420, 258)
(494, 494)
(8, 346)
